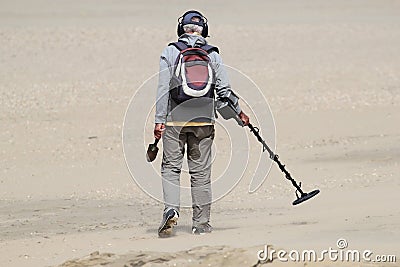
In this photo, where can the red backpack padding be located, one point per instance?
(193, 76)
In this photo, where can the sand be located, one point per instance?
(68, 70)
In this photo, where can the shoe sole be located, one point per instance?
(194, 233)
(201, 233)
(167, 229)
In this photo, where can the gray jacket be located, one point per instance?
(167, 62)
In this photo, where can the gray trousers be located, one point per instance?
(199, 140)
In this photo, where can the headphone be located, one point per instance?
(203, 22)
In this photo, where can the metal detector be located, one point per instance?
(228, 110)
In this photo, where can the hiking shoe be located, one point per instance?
(202, 229)
(170, 219)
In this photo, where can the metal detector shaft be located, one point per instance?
(255, 131)
(275, 158)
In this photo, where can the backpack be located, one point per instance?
(193, 76)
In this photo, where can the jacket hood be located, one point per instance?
(192, 39)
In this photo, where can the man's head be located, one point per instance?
(193, 22)
(193, 28)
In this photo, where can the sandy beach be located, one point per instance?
(68, 70)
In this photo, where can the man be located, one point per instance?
(180, 123)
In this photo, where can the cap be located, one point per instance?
(187, 19)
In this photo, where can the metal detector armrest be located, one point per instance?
(228, 111)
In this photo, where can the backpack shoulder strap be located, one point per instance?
(210, 48)
(179, 45)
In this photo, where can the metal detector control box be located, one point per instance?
(228, 107)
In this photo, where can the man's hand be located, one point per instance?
(244, 118)
(159, 129)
